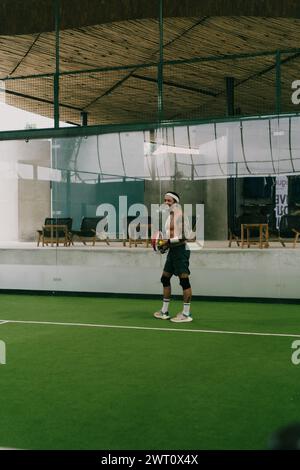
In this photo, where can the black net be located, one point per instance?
(202, 89)
(34, 95)
(111, 97)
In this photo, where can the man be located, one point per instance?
(177, 262)
(286, 438)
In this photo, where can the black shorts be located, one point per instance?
(178, 260)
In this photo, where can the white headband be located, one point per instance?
(176, 198)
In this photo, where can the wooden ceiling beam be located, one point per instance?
(179, 87)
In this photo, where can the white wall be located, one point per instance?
(229, 272)
(8, 193)
(24, 200)
(8, 202)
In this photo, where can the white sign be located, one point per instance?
(281, 198)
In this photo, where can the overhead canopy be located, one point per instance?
(190, 90)
(36, 16)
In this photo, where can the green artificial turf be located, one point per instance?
(72, 387)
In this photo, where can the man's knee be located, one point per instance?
(185, 283)
(165, 280)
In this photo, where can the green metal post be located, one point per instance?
(278, 82)
(84, 118)
(160, 64)
(231, 182)
(56, 75)
(68, 194)
(229, 96)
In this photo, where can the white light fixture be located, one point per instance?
(162, 149)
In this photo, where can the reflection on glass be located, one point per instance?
(73, 177)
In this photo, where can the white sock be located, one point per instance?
(186, 309)
(165, 307)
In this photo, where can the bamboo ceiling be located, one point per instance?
(195, 90)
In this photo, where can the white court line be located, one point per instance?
(95, 325)
(3, 321)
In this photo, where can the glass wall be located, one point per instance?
(71, 177)
(246, 168)
(96, 171)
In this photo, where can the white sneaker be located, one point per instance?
(162, 316)
(181, 317)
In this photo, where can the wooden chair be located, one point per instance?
(125, 224)
(88, 231)
(289, 229)
(235, 231)
(191, 226)
(55, 231)
(143, 228)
